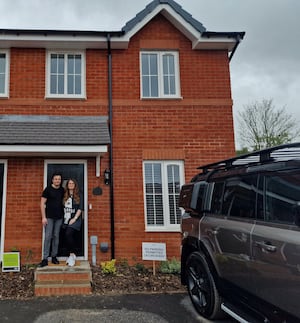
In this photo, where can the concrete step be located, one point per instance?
(62, 289)
(63, 280)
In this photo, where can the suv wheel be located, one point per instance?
(202, 288)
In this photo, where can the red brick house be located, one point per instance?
(130, 114)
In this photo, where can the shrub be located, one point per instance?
(141, 268)
(123, 263)
(170, 267)
(109, 267)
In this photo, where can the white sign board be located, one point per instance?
(154, 251)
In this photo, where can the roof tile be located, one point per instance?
(53, 130)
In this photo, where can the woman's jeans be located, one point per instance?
(52, 230)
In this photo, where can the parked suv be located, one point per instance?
(241, 237)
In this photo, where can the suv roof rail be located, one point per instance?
(276, 153)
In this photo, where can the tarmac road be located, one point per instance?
(142, 308)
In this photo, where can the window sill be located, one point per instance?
(82, 98)
(163, 229)
(164, 99)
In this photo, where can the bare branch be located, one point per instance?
(261, 125)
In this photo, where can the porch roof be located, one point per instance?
(59, 136)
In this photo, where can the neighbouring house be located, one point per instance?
(130, 114)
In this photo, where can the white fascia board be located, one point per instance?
(61, 150)
(214, 43)
(189, 31)
(46, 41)
(198, 43)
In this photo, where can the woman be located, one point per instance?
(72, 217)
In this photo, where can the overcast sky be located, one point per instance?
(266, 65)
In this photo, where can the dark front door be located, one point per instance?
(67, 171)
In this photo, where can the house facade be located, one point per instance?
(130, 114)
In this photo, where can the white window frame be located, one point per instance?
(65, 95)
(167, 227)
(161, 94)
(5, 94)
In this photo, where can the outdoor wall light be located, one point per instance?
(107, 177)
(103, 246)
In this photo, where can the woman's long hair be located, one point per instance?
(76, 195)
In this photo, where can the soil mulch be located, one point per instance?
(17, 285)
(127, 280)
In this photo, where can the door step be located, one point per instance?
(54, 280)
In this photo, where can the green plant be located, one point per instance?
(29, 256)
(141, 268)
(123, 263)
(170, 267)
(28, 259)
(109, 267)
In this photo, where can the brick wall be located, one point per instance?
(197, 128)
(23, 219)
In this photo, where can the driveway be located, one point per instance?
(142, 308)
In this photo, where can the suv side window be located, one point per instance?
(197, 201)
(216, 199)
(282, 197)
(240, 196)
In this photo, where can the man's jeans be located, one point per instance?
(52, 230)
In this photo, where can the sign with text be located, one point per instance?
(154, 251)
(11, 261)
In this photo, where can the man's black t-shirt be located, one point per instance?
(54, 204)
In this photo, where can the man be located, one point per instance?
(52, 217)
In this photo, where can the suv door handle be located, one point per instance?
(212, 231)
(265, 246)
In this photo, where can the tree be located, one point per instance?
(261, 125)
(242, 151)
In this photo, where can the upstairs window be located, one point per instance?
(160, 75)
(162, 183)
(66, 75)
(4, 70)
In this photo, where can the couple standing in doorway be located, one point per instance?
(60, 208)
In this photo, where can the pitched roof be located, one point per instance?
(174, 5)
(200, 38)
(53, 130)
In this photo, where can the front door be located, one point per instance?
(76, 170)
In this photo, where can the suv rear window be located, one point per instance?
(282, 197)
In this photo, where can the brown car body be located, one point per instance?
(241, 236)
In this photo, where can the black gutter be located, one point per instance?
(237, 35)
(111, 185)
(63, 32)
(217, 34)
(238, 40)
